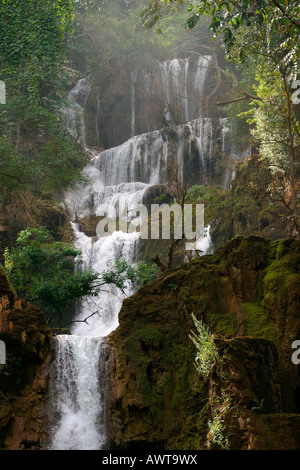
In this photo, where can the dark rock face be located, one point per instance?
(88, 225)
(250, 208)
(134, 101)
(23, 380)
(158, 194)
(17, 213)
(248, 295)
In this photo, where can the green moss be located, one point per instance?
(224, 324)
(150, 337)
(134, 351)
(283, 247)
(193, 435)
(269, 299)
(283, 272)
(181, 392)
(256, 322)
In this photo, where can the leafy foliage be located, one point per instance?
(218, 430)
(43, 271)
(32, 35)
(123, 272)
(214, 199)
(228, 17)
(36, 151)
(207, 352)
(57, 165)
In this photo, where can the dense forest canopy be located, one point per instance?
(33, 64)
(46, 46)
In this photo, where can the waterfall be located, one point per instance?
(202, 66)
(76, 394)
(133, 85)
(144, 160)
(77, 382)
(121, 174)
(183, 84)
(99, 255)
(204, 243)
(167, 92)
(77, 391)
(73, 112)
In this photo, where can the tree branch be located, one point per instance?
(157, 261)
(80, 321)
(293, 20)
(247, 96)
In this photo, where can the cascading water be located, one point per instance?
(77, 385)
(74, 111)
(133, 78)
(121, 174)
(183, 82)
(145, 158)
(76, 397)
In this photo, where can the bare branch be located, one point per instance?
(81, 321)
(247, 96)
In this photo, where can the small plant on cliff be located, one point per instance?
(217, 427)
(207, 352)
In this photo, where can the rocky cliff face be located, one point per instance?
(23, 380)
(251, 208)
(248, 295)
(165, 111)
(132, 101)
(18, 212)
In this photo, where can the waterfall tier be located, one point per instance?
(139, 101)
(73, 112)
(75, 394)
(145, 160)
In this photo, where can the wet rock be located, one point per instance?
(23, 380)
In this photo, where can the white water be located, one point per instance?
(76, 398)
(73, 112)
(133, 117)
(76, 392)
(145, 158)
(77, 386)
(172, 90)
(99, 255)
(204, 243)
(183, 88)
